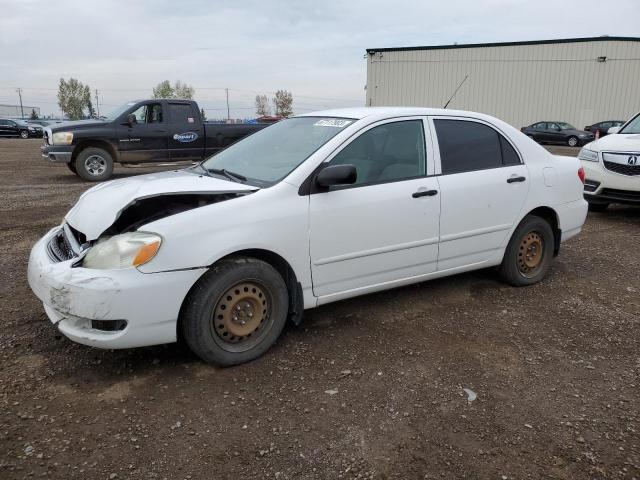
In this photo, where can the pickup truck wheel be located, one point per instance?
(529, 254)
(235, 312)
(94, 164)
(24, 134)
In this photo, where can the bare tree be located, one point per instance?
(262, 106)
(182, 90)
(283, 103)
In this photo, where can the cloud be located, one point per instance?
(313, 48)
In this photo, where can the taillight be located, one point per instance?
(581, 174)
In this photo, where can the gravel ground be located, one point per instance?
(366, 388)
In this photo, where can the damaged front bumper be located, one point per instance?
(108, 308)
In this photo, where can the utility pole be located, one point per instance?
(19, 91)
(97, 104)
(228, 114)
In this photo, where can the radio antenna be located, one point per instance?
(456, 91)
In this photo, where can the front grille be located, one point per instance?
(622, 168)
(59, 248)
(626, 195)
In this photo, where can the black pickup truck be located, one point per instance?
(154, 131)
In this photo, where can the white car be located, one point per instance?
(612, 167)
(314, 209)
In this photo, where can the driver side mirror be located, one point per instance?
(337, 175)
(613, 130)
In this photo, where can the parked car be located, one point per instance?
(557, 132)
(313, 209)
(145, 131)
(612, 167)
(18, 128)
(603, 127)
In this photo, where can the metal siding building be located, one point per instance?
(519, 82)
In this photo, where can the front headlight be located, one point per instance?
(62, 138)
(588, 155)
(31, 128)
(123, 251)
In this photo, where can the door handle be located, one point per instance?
(515, 179)
(424, 193)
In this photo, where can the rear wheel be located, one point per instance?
(94, 164)
(235, 312)
(572, 141)
(529, 255)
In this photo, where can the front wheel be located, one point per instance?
(94, 164)
(24, 134)
(529, 255)
(572, 141)
(235, 312)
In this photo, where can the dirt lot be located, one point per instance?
(555, 367)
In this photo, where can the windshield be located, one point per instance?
(119, 110)
(633, 126)
(269, 155)
(21, 122)
(566, 126)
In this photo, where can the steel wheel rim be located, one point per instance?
(95, 165)
(530, 254)
(573, 142)
(242, 316)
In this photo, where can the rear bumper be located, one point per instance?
(57, 153)
(84, 303)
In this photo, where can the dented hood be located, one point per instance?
(99, 207)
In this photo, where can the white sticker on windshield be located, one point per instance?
(332, 122)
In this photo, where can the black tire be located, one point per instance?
(516, 267)
(72, 166)
(598, 207)
(572, 141)
(94, 164)
(24, 134)
(212, 337)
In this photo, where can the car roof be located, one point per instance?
(390, 112)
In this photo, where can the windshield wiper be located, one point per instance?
(235, 177)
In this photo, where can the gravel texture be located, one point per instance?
(372, 387)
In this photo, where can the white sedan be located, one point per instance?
(612, 167)
(314, 209)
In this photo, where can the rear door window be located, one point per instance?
(181, 114)
(466, 146)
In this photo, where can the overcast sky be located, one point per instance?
(315, 49)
